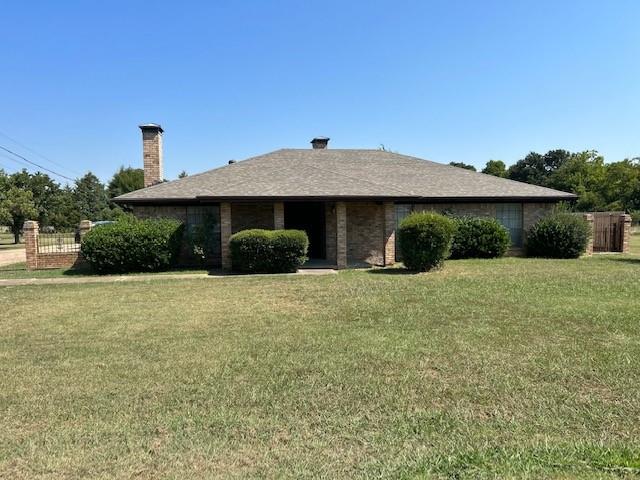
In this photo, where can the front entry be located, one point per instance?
(310, 217)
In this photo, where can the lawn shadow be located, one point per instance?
(392, 271)
(621, 259)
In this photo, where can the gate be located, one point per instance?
(608, 231)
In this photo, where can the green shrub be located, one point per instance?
(268, 251)
(559, 235)
(479, 237)
(424, 240)
(131, 245)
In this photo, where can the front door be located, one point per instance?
(310, 217)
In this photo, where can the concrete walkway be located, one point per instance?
(9, 256)
(15, 282)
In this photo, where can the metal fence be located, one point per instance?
(58, 243)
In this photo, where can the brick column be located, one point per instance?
(278, 216)
(341, 235)
(626, 232)
(589, 218)
(389, 233)
(85, 226)
(225, 234)
(31, 231)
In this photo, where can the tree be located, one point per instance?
(497, 168)
(183, 174)
(44, 190)
(16, 206)
(90, 198)
(536, 168)
(125, 180)
(466, 166)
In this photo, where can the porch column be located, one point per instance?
(389, 233)
(225, 234)
(278, 216)
(341, 235)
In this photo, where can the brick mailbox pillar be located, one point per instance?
(31, 231)
(589, 219)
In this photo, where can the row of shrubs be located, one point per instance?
(426, 239)
(131, 245)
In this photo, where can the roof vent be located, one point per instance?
(320, 143)
(231, 162)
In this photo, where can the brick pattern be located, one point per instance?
(160, 211)
(589, 219)
(532, 212)
(389, 233)
(152, 156)
(252, 215)
(341, 235)
(30, 232)
(330, 232)
(278, 215)
(626, 232)
(225, 234)
(365, 233)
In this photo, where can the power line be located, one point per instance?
(36, 153)
(37, 165)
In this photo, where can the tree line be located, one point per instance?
(600, 186)
(36, 196)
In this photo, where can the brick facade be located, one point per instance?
(278, 215)
(252, 215)
(225, 235)
(341, 235)
(389, 233)
(365, 233)
(626, 232)
(330, 229)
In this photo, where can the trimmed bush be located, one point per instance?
(479, 237)
(424, 240)
(268, 251)
(131, 245)
(559, 235)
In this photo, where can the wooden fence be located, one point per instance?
(611, 232)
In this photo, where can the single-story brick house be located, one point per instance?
(348, 201)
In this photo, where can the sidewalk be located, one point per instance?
(16, 282)
(10, 256)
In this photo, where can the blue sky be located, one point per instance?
(445, 80)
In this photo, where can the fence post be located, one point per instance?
(31, 230)
(589, 219)
(85, 226)
(626, 232)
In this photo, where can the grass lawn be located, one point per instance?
(505, 368)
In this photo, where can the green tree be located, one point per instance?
(16, 206)
(183, 174)
(466, 166)
(90, 198)
(497, 168)
(125, 180)
(536, 168)
(44, 190)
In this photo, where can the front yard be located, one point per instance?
(512, 367)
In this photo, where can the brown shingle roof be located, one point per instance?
(292, 173)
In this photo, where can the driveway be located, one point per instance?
(11, 255)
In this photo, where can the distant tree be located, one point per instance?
(90, 198)
(183, 174)
(466, 166)
(497, 168)
(44, 190)
(125, 180)
(536, 168)
(16, 206)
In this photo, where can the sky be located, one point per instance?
(463, 81)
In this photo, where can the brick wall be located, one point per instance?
(152, 156)
(251, 215)
(365, 233)
(37, 260)
(330, 231)
(177, 212)
(532, 212)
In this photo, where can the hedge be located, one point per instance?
(424, 240)
(131, 245)
(479, 237)
(559, 235)
(268, 251)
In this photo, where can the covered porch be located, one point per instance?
(341, 233)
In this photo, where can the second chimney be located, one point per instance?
(320, 143)
(152, 153)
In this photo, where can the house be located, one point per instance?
(348, 201)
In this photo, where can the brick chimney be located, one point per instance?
(320, 143)
(152, 153)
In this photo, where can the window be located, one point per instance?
(510, 215)
(202, 232)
